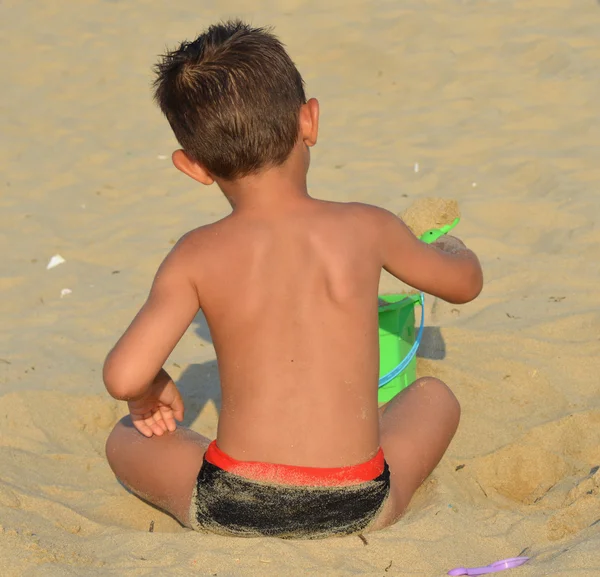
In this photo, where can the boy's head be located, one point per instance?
(233, 98)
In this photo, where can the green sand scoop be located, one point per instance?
(433, 234)
(398, 340)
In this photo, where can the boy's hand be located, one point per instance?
(449, 244)
(155, 412)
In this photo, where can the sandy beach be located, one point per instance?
(495, 104)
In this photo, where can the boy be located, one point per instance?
(302, 450)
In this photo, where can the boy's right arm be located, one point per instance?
(446, 269)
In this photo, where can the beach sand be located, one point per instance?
(497, 102)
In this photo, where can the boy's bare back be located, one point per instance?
(290, 297)
(288, 285)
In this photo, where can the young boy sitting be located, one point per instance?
(302, 450)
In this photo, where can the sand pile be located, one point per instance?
(427, 213)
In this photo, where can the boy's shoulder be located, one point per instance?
(356, 209)
(370, 214)
(194, 242)
(363, 207)
(200, 236)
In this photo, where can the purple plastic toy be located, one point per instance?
(493, 568)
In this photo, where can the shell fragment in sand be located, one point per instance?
(55, 261)
(64, 292)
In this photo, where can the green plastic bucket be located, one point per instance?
(398, 343)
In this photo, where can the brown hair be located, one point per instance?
(232, 98)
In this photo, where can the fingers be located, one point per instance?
(155, 421)
(149, 424)
(168, 419)
(158, 419)
(140, 424)
(177, 408)
(178, 414)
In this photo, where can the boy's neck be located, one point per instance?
(271, 190)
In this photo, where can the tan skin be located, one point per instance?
(288, 285)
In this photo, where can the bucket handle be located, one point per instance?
(413, 350)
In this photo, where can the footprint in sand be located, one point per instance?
(521, 473)
(581, 508)
(554, 467)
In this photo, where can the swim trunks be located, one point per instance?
(252, 499)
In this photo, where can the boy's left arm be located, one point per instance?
(135, 362)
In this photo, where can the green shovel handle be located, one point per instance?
(434, 233)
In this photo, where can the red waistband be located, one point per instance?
(295, 475)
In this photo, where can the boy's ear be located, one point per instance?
(309, 122)
(190, 167)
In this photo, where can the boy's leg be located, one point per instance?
(416, 428)
(161, 470)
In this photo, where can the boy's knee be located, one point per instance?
(115, 438)
(440, 392)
